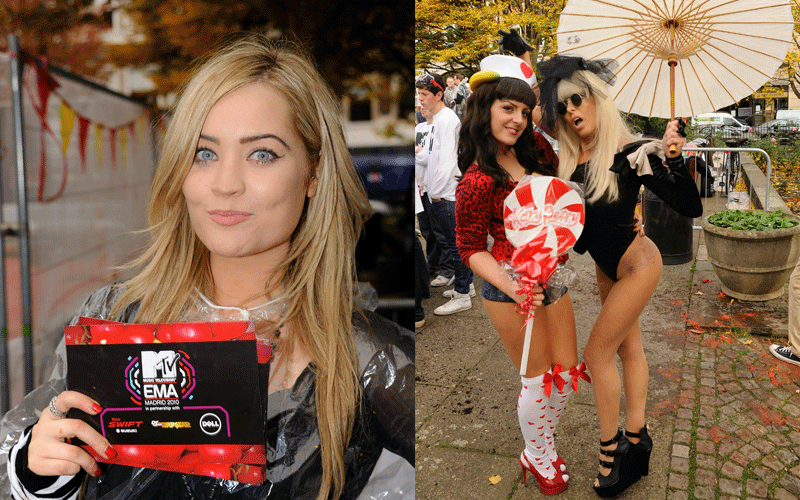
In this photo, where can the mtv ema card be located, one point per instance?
(183, 397)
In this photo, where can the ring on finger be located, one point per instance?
(54, 410)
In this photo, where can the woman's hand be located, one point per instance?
(533, 299)
(50, 455)
(672, 138)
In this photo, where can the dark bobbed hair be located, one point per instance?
(476, 144)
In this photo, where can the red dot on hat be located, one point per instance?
(526, 70)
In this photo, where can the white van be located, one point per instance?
(787, 114)
(719, 120)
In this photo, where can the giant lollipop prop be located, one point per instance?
(543, 218)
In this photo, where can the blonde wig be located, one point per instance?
(611, 134)
(316, 276)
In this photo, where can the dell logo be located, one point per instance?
(210, 424)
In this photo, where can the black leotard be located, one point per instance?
(608, 229)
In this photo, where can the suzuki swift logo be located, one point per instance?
(210, 424)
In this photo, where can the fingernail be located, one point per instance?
(96, 408)
(111, 453)
(98, 472)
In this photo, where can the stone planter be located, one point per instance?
(752, 265)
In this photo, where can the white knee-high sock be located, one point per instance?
(557, 402)
(532, 412)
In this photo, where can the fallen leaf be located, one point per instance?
(747, 342)
(494, 479)
(698, 293)
(706, 280)
(694, 330)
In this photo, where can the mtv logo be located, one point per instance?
(160, 364)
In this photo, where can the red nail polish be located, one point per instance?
(111, 452)
(96, 408)
(98, 472)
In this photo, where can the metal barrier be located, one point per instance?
(74, 188)
(741, 150)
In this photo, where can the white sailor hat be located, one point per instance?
(509, 66)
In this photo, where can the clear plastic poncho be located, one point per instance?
(378, 460)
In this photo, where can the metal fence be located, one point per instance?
(732, 175)
(77, 161)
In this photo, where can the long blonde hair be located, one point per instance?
(611, 133)
(318, 272)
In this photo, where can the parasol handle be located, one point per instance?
(523, 363)
(673, 61)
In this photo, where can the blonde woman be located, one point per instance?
(597, 150)
(254, 214)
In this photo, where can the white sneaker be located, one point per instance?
(442, 281)
(459, 302)
(449, 293)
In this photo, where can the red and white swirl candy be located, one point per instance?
(546, 212)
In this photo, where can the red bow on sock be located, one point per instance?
(579, 372)
(553, 378)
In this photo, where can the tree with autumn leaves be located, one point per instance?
(347, 39)
(454, 35)
(65, 33)
(793, 57)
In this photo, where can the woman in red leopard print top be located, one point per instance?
(497, 147)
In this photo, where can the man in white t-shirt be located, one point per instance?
(428, 225)
(440, 181)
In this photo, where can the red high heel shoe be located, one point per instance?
(559, 465)
(547, 486)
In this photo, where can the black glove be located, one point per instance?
(513, 42)
(681, 127)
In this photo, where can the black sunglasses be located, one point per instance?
(576, 99)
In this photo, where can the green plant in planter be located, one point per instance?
(751, 220)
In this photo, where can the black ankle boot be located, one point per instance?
(623, 471)
(640, 452)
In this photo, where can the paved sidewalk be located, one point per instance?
(724, 414)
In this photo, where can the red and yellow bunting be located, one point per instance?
(39, 94)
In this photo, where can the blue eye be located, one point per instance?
(264, 156)
(204, 154)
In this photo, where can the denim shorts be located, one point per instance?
(491, 292)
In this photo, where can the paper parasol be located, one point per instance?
(543, 218)
(704, 54)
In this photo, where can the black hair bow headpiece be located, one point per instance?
(561, 67)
